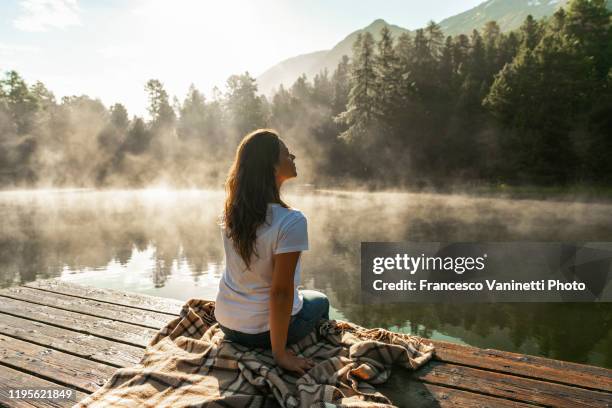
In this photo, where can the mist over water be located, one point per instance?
(167, 243)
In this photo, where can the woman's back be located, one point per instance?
(242, 302)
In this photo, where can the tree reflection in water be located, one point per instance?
(168, 243)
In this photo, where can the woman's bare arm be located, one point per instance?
(281, 304)
(281, 299)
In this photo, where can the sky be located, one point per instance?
(109, 49)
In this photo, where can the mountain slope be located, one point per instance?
(509, 14)
(287, 71)
(331, 59)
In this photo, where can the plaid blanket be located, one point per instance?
(189, 364)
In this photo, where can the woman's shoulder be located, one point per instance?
(289, 214)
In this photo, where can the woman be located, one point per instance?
(258, 303)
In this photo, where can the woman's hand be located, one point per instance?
(289, 361)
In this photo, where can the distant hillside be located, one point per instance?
(287, 71)
(509, 14)
(311, 64)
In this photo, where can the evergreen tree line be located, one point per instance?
(79, 142)
(531, 106)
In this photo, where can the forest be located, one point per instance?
(526, 107)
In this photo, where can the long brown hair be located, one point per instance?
(250, 186)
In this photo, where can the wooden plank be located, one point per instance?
(80, 344)
(508, 386)
(154, 320)
(135, 300)
(542, 368)
(84, 375)
(11, 379)
(402, 393)
(529, 373)
(518, 364)
(415, 394)
(105, 328)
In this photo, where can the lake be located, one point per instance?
(167, 243)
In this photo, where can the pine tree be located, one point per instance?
(387, 96)
(461, 51)
(446, 71)
(537, 97)
(322, 90)
(359, 115)
(45, 99)
(435, 39)
(477, 63)
(530, 33)
(302, 90)
(508, 48)
(192, 116)
(492, 36)
(475, 86)
(589, 30)
(283, 115)
(598, 166)
(119, 117)
(138, 137)
(404, 50)
(341, 86)
(159, 107)
(114, 133)
(244, 106)
(447, 82)
(216, 125)
(21, 103)
(302, 97)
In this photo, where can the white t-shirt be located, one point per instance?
(242, 302)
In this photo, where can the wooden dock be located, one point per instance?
(57, 334)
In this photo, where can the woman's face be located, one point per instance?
(285, 169)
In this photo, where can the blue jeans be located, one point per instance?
(314, 308)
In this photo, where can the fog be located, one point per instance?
(420, 111)
(167, 243)
(416, 138)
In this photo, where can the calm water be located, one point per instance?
(167, 243)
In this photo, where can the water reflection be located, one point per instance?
(167, 243)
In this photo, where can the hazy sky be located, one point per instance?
(109, 49)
